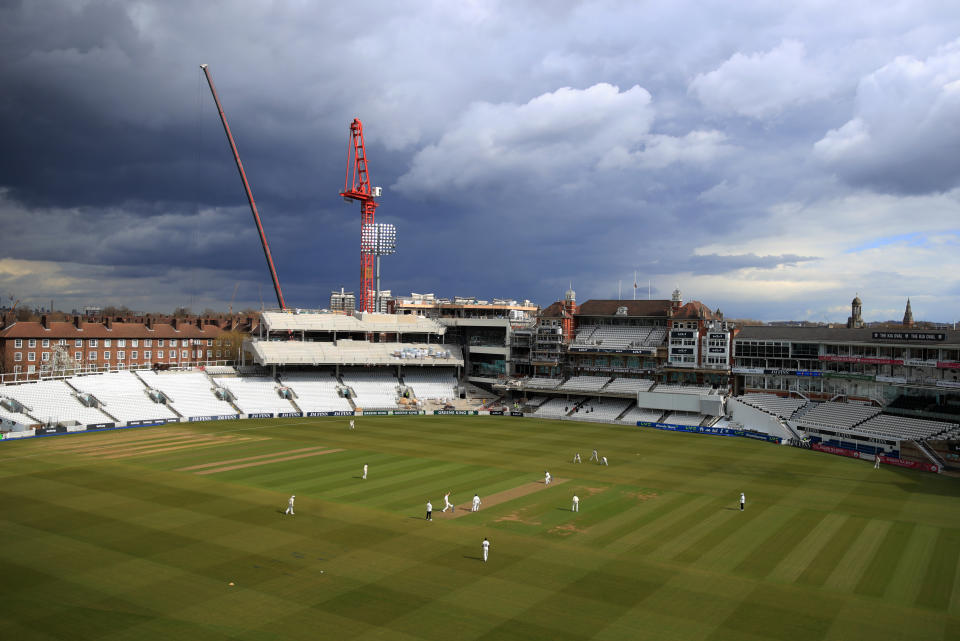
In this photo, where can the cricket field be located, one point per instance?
(178, 532)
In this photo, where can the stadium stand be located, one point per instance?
(628, 385)
(373, 389)
(256, 394)
(346, 351)
(602, 409)
(122, 395)
(903, 428)
(833, 414)
(618, 337)
(53, 401)
(642, 414)
(189, 393)
(585, 383)
(557, 407)
(683, 418)
(316, 392)
(431, 384)
(773, 404)
(287, 321)
(220, 370)
(685, 389)
(541, 383)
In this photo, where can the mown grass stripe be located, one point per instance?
(876, 578)
(911, 565)
(650, 533)
(735, 550)
(771, 550)
(797, 560)
(729, 523)
(853, 565)
(638, 517)
(242, 466)
(937, 585)
(836, 548)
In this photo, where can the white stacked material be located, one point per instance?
(430, 383)
(832, 414)
(374, 388)
(122, 395)
(316, 392)
(52, 402)
(683, 418)
(900, 427)
(642, 414)
(777, 405)
(256, 394)
(602, 409)
(585, 383)
(556, 407)
(190, 393)
(628, 385)
(541, 383)
(685, 389)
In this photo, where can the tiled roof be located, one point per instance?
(34, 329)
(646, 308)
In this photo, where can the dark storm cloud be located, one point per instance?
(521, 145)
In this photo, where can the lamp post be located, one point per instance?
(380, 239)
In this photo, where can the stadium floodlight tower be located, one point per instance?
(379, 239)
(356, 186)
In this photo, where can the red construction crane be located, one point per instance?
(246, 186)
(356, 186)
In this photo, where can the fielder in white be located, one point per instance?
(364, 471)
(743, 501)
(290, 504)
(476, 503)
(603, 460)
(546, 478)
(447, 504)
(576, 504)
(876, 461)
(594, 457)
(352, 425)
(486, 549)
(429, 511)
(576, 457)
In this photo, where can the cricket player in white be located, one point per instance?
(876, 461)
(603, 460)
(447, 503)
(486, 549)
(364, 471)
(476, 503)
(352, 425)
(576, 504)
(429, 511)
(594, 457)
(743, 500)
(576, 457)
(290, 504)
(546, 478)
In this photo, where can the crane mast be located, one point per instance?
(356, 186)
(246, 187)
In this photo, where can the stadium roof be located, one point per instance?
(648, 308)
(873, 335)
(331, 322)
(349, 352)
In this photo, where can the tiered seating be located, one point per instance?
(53, 401)
(220, 370)
(685, 389)
(628, 385)
(556, 407)
(839, 414)
(683, 418)
(316, 392)
(122, 395)
(541, 383)
(773, 404)
(603, 409)
(642, 414)
(429, 383)
(584, 335)
(617, 337)
(256, 394)
(536, 401)
(374, 389)
(900, 427)
(585, 383)
(656, 337)
(22, 419)
(190, 393)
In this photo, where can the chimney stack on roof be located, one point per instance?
(45, 321)
(108, 322)
(76, 322)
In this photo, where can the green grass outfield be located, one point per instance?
(104, 536)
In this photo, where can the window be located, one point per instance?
(173, 353)
(209, 342)
(185, 354)
(133, 355)
(78, 342)
(45, 357)
(159, 342)
(121, 355)
(93, 342)
(173, 342)
(209, 353)
(147, 355)
(134, 343)
(78, 356)
(92, 356)
(17, 369)
(45, 342)
(32, 342)
(107, 342)
(106, 356)
(31, 356)
(121, 342)
(148, 342)
(18, 343)
(31, 369)
(18, 356)
(62, 342)
(218, 353)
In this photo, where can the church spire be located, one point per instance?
(908, 316)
